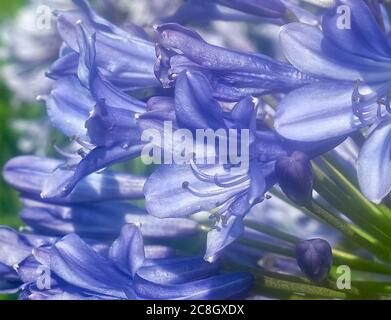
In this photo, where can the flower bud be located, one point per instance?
(314, 258)
(294, 174)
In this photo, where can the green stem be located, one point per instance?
(372, 211)
(292, 287)
(351, 232)
(349, 206)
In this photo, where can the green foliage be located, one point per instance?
(8, 8)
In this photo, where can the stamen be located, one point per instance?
(235, 180)
(64, 153)
(199, 173)
(85, 144)
(216, 227)
(198, 193)
(369, 108)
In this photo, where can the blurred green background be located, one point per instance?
(9, 204)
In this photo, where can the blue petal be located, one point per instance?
(309, 51)
(178, 270)
(110, 126)
(62, 292)
(167, 185)
(62, 182)
(123, 59)
(127, 252)
(218, 239)
(101, 220)
(364, 38)
(9, 280)
(262, 8)
(64, 66)
(158, 252)
(228, 286)
(28, 269)
(29, 175)
(76, 263)
(69, 105)
(194, 104)
(232, 74)
(15, 246)
(317, 112)
(374, 169)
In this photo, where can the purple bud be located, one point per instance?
(314, 258)
(294, 174)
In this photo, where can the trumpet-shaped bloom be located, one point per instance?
(232, 74)
(123, 59)
(355, 63)
(30, 175)
(194, 188)
(78, 271)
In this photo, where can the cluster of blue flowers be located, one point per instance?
(111, 84)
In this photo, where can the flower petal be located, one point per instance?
(178, 270)
(223, 236)
(79, 265)
(168, 185)
(317, 112)
(127, 251)
(62, 182)
(29, 174)
(69, 105)
(363, 38)
(101, 220)
(227, 286)
(194, 104)
(309, 51)
(374, 163)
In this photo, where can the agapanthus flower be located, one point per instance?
(276, 12)
(122, 58)
(97, 208)
(30, 175)
(101, 117)
(122, 271)
(196, 188)
(232, 74)
(354, 62)
(118, 89)
(35, 28)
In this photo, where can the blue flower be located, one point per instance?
(354, 65)
(124, 59)
(100, 116)
(232, 74)
(194, 188)
(30, 175)
(15, 248)
(277, 12)
(101, 220)
(78, 271)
